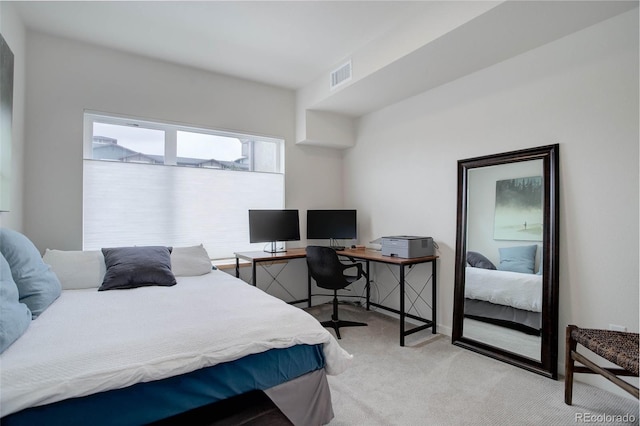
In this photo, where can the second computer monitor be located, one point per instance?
(331, 224)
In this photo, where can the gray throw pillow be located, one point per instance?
(477, 260)
(131, 267)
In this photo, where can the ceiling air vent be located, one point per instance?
(340, 75)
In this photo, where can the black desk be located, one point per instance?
(367, 256)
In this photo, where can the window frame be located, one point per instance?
(171, 130)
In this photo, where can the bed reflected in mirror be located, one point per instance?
(506, 258)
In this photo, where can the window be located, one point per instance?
(127, 144)
(153, 183)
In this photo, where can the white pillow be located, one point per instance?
(77, 269)
(190, 261)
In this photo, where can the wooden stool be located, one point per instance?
(618, 347)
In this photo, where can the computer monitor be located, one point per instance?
(271, 226)
(331, 225)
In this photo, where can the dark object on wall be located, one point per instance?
(6, 113)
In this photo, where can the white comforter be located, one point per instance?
(89, 341)
(522, 291)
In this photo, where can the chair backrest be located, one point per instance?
(325, 267)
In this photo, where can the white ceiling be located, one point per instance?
(283, 43)
(293, 43)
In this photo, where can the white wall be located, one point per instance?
(13, 32)
(581, 92)
(66, 77)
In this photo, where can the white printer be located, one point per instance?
(406, 246)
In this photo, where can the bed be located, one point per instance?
(506, 298)
(143, 354)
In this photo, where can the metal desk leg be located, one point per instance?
(253, 273)
(237, 267)
(402, 305)
(368, 287)
(434, 303)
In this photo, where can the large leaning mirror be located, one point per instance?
(506, 277)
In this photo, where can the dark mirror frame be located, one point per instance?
(548, 364)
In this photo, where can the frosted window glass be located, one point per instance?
(265, 156)
(142, 204)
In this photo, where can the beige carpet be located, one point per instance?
(432, 382)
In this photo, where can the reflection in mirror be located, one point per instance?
(503, 290)
(506, 258)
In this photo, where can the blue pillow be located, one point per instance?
(38, 285)
(518, 259)
(16, 316)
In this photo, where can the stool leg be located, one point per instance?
(571, 346)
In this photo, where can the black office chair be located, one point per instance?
(328, 272)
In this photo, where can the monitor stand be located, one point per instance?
(333, 243)
(273, 248)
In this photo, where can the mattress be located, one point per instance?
(514, 289)
(148, 402)
(89, 342)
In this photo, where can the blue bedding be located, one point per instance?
(144, 403)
